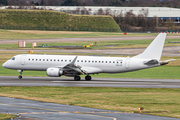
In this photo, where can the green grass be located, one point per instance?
(26, 34)
(54, 18)
(156, 101)
(5, 34)
(6, 116)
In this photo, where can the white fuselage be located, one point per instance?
(91, 63)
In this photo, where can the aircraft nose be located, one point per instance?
(4, 65)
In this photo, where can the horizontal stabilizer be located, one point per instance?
(166, 61)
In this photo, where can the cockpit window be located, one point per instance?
(13, 58)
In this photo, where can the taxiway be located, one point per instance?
(96, 82)
(34, 110)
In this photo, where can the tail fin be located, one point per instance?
(154, 50)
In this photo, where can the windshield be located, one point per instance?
(13, 58)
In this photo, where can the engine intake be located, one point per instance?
(54, 72)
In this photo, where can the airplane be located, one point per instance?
(74, 66)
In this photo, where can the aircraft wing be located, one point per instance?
(71, 68)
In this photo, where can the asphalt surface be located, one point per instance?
(33, 110)
(95, 82)
(167, 51)
(86, 39)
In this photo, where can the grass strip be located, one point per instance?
(155, 101)
(37, 34)
(6, 116)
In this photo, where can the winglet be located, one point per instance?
(154, 50)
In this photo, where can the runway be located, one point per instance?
(33, 110)
(95, 82)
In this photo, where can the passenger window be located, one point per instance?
(69, 60)
(102, 61)
(43, 59)
(113, 61)
(81, 60)
(95, 61)
(92, 61)
(54, 60)
(36, 59)
(85, 61)
(29, 59)
(39, 59)
(106, 61)
(50, 59)
(77, 60)
(61, 60)
(47, 59)
(89, 61)
(109, 61)
(65, 60)
(32, 59)
(99, 61)
(57, 60)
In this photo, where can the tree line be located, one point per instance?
(122, 3)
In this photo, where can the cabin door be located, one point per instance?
(127, 62)
(23, 57)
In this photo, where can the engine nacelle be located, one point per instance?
(54, 72)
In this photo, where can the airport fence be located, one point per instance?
(50, 28)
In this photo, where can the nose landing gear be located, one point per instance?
(20, 76)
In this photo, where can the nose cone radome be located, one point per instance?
(4, 65)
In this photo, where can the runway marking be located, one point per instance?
(58, 111)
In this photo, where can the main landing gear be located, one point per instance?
(78, 78)
(20, 76)
(88, 78)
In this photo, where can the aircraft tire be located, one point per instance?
(77, 78)
(88, 78)
(20, 77)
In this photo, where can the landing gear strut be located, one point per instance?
(77, 78)
(88, 78)
(20, 76)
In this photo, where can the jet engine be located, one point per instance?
(54, 72)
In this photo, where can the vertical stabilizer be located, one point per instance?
(154, 50)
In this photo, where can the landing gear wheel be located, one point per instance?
(88, 78)
(77, 78)
(20, 77)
